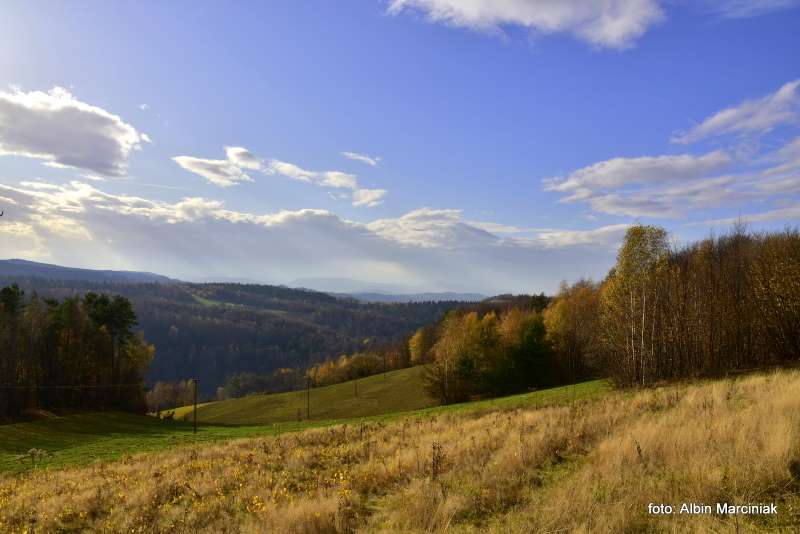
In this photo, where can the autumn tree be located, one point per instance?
(79, 353)
(572, 323)
(630, 301)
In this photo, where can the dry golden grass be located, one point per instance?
(593, 467)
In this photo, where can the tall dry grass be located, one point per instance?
(592, 467)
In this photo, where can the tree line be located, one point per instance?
(722, 304)
(80, 353)
(215, 331)
(519, 343)
(664, 311)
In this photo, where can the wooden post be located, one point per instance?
(195, 405)
(308, 397)
(445, 381)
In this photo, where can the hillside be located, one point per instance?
(87, 438)
(400, 391)
(81, 439)
(591, 465)
(397, 391)
(210, 331)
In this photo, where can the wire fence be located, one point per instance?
(74, 386)
(20, 400)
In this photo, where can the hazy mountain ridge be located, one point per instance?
(25, 268)
(415, 297)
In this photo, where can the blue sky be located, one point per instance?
(509, 142)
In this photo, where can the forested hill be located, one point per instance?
(211, 331)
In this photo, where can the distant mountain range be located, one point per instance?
(24, 268)
(382, 292)
(351, 287)
(416, 297)
(363, 291)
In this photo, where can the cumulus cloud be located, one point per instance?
(750, 117)
(241, 157)
(339, 180)
(604, 23)
(614, 173)
(363, 158)
(57, 127)
(195, 237)
(431, 228)
(219, 172)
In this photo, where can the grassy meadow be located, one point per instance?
(397, 391)
(591, 465)
(88, 438)
(378, 395)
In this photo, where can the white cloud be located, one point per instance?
(619, 172)
(241, 157)
(604, 23)
(751, 116)
(788, 213)
(363, 158)
(432, 228)
(605, 235)
(787, 185)
(498, 228)
(231, 171)
(290, 170)
(22, 240)
(750, 8)
(676, 186)
(672, 201)
(334, 179)
(219, 172)
(144, 107)
(637, 205)
(783, 176)
(339, 180)
(56, 127)
(79, 224)
(368, 197)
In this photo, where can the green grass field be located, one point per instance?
(84, 439)
(397, 391)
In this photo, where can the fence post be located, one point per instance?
(195, 405)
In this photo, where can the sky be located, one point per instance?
(431, 145)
